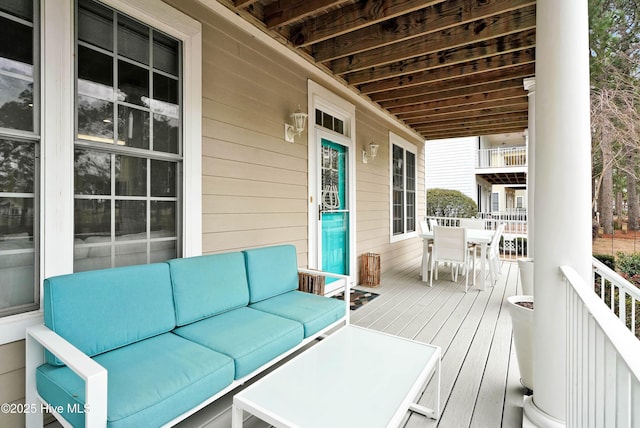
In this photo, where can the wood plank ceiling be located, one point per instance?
(447, 68)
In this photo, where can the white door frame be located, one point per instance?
(327, 101)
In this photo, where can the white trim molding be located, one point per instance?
(396, 140)
(329, 102)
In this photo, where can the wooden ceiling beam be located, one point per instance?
(472, 121)
(445, 20)
(499, 75)
(465, 91)
(465, 115)
(460, 101)
(471, 132)
(285, 12)
(497, 26)
(459, 54)
(453, 71)
(503, 103)
(244, 3)
(352, 17)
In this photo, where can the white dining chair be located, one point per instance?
(426, 250)
(450, 246)
(472, 223)
(493, 254)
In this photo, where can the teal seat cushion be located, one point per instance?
(150, 382)
(251, 337)
(101, 310)
(313, 311)
(271, 271)
(208, 285)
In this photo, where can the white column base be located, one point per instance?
(533, 417)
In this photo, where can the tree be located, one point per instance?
(450, 203)
(614, 27)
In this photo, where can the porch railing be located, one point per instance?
(502, 157)
(603, 369)
(513, 244)
(621, 296)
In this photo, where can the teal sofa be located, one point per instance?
(149, 345)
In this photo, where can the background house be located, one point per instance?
(490, 169)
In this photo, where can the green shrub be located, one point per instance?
(628, 264)
(450, 203)
(607, 259)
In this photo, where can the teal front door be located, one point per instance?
(334, 208)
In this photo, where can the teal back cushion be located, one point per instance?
(271, 271)
(208, 285)
(101, 310)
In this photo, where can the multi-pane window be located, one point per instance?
(403, 192)
(128, 149)
(495, 202)
(330, 122)
(19, 153)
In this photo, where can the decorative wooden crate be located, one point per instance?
(370, 270)
(311, 283)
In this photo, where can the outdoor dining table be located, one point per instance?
(481, 237)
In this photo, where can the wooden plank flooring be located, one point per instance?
(480, 379)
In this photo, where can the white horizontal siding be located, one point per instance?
(450, 164)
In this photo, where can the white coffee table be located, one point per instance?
(354, 378)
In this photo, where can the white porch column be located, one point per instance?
(562, 178)
(530, 86)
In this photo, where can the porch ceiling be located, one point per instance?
(447, 68)
(506, 178)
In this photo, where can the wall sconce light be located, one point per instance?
(299, 121)
(373, 152)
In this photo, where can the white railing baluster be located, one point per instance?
(603, 368)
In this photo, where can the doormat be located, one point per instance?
(357, 298)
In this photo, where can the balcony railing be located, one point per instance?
(621, 296)
(513, 244)
(603, 369)
(502, 157)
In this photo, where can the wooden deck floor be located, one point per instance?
(480, 380)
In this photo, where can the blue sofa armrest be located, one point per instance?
(39, 338)
(346, 288)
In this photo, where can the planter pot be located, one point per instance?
(522, 321)
(526, 276)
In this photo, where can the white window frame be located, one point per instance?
(396, 140)
(57, 38)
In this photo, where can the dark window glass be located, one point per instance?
(166, 53)
(133, 84)
(92, 173)
(133, 39)
(95, 24)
